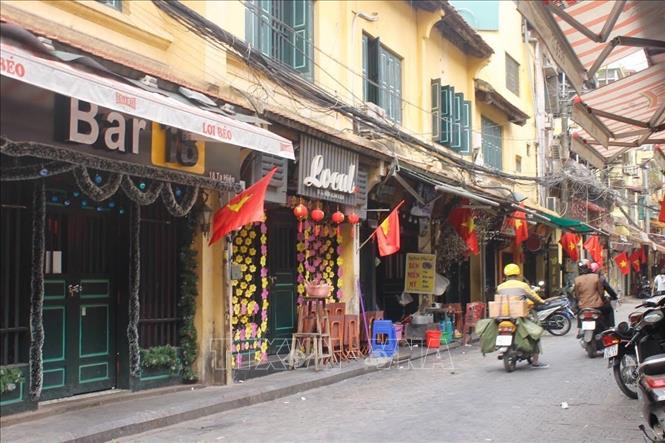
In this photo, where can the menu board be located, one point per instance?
(420, 275)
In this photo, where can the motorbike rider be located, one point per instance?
(590, 292)
(514, 285)
(659, 283)
(596, 269)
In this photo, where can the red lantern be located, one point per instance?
(317, 216)
(338, 218)
(353, 218)
(300, 212)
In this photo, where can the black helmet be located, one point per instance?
(583, 266)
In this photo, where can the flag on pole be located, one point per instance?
(521, 227)
(462, 220)
(636, 259)
(622, 262)
(569, 243)
(244, 208)
(387, 233)
(595, 249)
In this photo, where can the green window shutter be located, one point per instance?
(436, 109)
(263, 27)
(365, 67)
(491, 142)
(456, 142)
(384, 72)
(371, 61)
(300, 21)
(447, 94)
(397, 89)
(466, 127)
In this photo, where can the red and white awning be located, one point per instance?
(624, 114)
(64, 79)
(585, 35)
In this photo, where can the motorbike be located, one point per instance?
(593, 325)
(505, 344)
(555, 316)
(644, 289)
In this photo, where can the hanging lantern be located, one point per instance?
(300, 212)
(353, 218)
(338, 218)
(317, 216)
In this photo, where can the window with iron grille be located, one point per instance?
(382, 73)
(117, 4)
(282, 30)
(491, 143)
(451, 117)
(512, 75)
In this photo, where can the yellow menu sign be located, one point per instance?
(420, 273)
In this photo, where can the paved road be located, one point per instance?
(476, 402)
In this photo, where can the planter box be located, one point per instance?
(17, 400)
(155, 378)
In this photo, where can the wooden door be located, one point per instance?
(79, 307)
(282, 239)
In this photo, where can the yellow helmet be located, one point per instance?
(511, 269)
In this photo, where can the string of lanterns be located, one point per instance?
(301, 212)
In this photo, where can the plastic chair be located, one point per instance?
(384, 340)
(337, 329)
(336, 308)
(351, 336)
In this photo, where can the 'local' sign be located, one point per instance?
(327, 172)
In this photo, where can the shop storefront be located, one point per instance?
(106, 188)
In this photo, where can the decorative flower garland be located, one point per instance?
(140, 196)
(97, 193)
(37, 288)
(134, 286)
(320, 259)
(250, 307)
(175, 208)
(187, 282)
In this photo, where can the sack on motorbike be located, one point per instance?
(527, 335)
(487, 330)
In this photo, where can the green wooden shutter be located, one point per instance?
(456, 142)
(397, 89)
(301, 22)
(447, 94)
(384, 72)
(263, 27)
(466, 127)
(435, 86)
(365, 67)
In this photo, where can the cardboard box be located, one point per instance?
(508, 309)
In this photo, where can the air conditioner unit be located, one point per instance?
(554, 204)
(373, 110)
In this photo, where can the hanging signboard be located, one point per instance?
(420, 275)
(329, 172)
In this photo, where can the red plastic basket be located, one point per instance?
(433, 339)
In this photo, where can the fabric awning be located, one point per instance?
(67, 80)
(570, 224)
(623, 114)
(581, 36)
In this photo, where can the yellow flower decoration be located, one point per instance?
(252, 234)
(252, 288)
(236, 309)
(238, 348)
(328, 243)
(300, 247)
(265, 304)
(243, 233)
(252, 269)
(238, 241)
(235, 299)
(248, 260)
(248, 241)
(243, 268)
(264, 239)
(262, 261)
(248, 277)
(238, 259)
(328, 256)
(340, 261)
(243, 285)
(252, 252)
(264, 346)
(301, 289)
(243, 320)
(301, 268)
(243, 250)
(234, 321)
(264, 282)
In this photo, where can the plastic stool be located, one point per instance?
(388, 346)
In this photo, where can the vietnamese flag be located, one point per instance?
(244, 208)
(569, 243)
(465, 226)
(661, 216)
(521, 227)
(622, 262)
(387, 233)
(595, 249)
(636, 259)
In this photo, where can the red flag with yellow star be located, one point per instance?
(387, 233)
(622, 261)
(569, 243)
(636, 259)
(244, 208)
(461, 218)
(595, 249)
(661, 216)
(521, 227)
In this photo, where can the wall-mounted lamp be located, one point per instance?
(205, 215)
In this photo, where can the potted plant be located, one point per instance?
(160, 361)
(10, 379)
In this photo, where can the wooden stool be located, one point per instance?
(337, 328)
(352, 337)
(314, 330)
(336, 308)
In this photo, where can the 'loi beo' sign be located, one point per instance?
(327, 172)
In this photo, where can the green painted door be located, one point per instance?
(79, 322)
(282, 267)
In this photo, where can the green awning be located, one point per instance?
(570, 224)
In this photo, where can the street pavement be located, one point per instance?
(459, 396)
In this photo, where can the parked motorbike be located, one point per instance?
(555, 316)
(505, 344)
(644, 288)
(593, 324)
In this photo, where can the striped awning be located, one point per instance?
(582, 36)
(624, 114)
